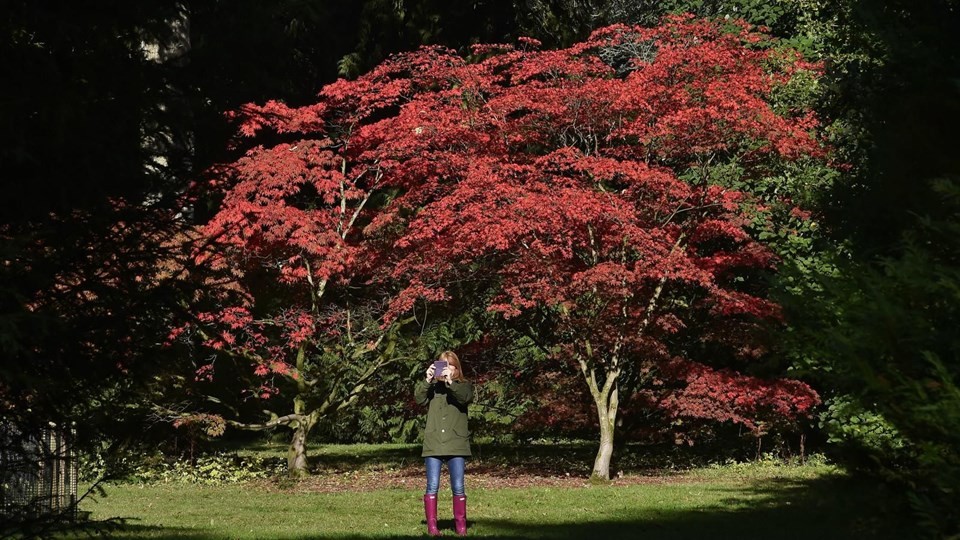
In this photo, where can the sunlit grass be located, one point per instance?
(743, 501)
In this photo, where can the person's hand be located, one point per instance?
(449, 373)
(430, 371)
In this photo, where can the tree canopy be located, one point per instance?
(571, 185)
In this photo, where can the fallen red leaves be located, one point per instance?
(480, 476)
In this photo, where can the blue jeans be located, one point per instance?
(454, 464)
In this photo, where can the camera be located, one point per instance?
(438, 368)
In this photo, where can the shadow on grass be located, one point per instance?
(131, 531)
(831, 507)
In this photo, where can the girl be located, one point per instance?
(446, 438)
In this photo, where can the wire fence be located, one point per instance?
(38, 473)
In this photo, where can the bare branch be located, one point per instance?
(279, 421)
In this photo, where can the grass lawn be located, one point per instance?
(735, 501)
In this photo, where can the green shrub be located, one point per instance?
(893, 348)
(859, 434)
(215, 469)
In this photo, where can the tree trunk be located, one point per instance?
(607, 414)
(607, 400)
(166, 136)
(297, 455)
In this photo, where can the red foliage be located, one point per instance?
(724, 395)
(570, 181)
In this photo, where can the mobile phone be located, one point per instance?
(438, 367)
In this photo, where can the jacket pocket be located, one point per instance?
(460, 428)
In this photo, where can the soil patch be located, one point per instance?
(480, 476)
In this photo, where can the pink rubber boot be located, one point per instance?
(460, 514)
(430, 510)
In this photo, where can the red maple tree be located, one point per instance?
(576, 182)
(572, 185)
(280, 258)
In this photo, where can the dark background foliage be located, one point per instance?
(110, 110)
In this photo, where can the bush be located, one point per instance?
(213, 469)
(893, 348)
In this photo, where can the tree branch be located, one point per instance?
(648, 316)
(279, 421)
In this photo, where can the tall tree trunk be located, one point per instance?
(607, 400)
(167, 137)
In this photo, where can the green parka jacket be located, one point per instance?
(446, 433)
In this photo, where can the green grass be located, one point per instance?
(749, 501)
